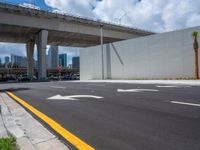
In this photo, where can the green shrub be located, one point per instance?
(8, 143)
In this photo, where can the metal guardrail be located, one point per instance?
(58, 12)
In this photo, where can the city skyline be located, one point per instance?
(70, 51)
(21, 61)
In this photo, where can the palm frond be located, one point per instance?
(195, 34)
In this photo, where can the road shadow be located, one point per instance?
(36, 81)
(14, 89)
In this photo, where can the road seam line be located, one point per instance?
(78, 143)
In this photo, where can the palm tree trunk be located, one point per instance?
(196, 63)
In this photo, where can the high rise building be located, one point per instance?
(35, 64)
(53, 57)
(20, 61)
(47, 61)
(63, 60)
(69, 60)
(7, 59)
(75, 62)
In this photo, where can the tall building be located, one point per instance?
(53, 57)
(47, 61)
(7, 59)
(35, 64)
(69, 60)
(20, 61)
(75, 62)
(63, 60)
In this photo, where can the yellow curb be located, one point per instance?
(78, 143)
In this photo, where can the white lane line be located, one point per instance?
(95, 84)
(58, 87)
(73, 97)
(184, 103)
(137, 90)
(176, 86)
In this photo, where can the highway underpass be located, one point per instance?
(32, 26)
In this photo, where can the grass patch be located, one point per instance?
(8, 143)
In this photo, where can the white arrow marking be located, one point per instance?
(73, 97)
(137, 90)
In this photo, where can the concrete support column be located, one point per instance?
(108, 62)
(30, 52)
(41, 47)
(102, 51)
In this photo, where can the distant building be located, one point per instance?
(69, 60)
(0, 61)
(20, 61)
(47, 61)
(70, 66)
(75, 62)
(7, 59)
(63, 60)
(35, 64)
(53, 57)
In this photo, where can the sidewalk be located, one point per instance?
(171, 82)
(29, 133)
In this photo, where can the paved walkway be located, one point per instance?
(30, 134)
(176, 82)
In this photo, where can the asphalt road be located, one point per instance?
(121, 120)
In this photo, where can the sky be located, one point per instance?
(152, 15)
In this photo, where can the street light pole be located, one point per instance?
(102, 53)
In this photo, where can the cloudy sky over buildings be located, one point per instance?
(152, 15)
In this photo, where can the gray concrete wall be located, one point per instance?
(165, 55)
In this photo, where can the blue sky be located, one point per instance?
(153, 15)
(39, 3)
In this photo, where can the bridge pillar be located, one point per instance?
(41, 47)
(108, 62)
(29, 52)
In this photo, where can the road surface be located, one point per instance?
(120, 116)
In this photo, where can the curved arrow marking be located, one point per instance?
(72, 97)
(137, 90)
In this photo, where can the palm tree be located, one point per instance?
(196, 47)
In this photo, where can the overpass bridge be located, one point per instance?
(32, 26)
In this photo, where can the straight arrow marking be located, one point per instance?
(73, 97)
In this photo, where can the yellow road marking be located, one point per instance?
(78, 143)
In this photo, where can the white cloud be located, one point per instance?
(28, 5)
(76, 7)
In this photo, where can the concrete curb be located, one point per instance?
(172, 82)
(3, 131)
(30, 134)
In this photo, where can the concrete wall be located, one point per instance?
(165, 55)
